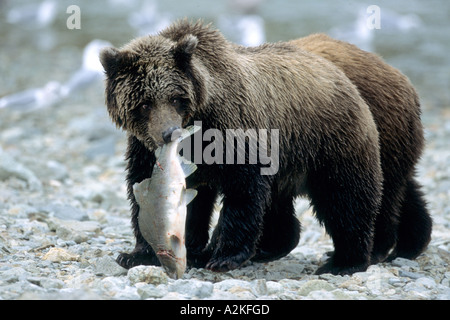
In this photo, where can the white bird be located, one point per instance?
(247, 30)
(91, 69)
(392, 21)
(244, 26)
(54, 92)
(148, 19)
(34, 15)
(357, 33)
(33, 99)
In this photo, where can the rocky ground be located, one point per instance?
(64, 218)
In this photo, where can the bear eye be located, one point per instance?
(179, 103)
(145, 106)
(175, 102)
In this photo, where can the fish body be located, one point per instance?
(163, 201)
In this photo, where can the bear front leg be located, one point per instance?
(139, 167)
(240, 224)
(199, 213)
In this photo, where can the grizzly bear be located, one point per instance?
(330, 148)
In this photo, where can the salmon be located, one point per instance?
(163, 201)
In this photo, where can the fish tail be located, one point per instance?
(188, 131)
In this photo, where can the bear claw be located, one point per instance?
(130, 260)
(223, 264)
(330, 267)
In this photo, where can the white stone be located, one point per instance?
(148, 274)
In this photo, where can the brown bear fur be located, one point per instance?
(396, 109)
(329, 143)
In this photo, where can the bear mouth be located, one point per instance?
(150, 143)
(187, 120)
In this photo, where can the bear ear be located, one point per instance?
(184, 49)
(113, 59)
(110, 59)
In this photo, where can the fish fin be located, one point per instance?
(158, 152)
(142, 186)
(188, 167)
(189, 195)
(141, 190)
(188, 131)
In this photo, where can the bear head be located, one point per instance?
(152, 86)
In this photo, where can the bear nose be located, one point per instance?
(167, 135)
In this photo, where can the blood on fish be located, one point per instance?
(159, 165)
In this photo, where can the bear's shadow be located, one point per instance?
(289, 267)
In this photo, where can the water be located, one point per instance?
(37, 47)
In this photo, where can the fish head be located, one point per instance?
(173, 258)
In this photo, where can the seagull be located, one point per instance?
(34, 15)
(33, 99)
(246, 27)
(391, 22)
(148, 20)
(358, 33)
(91, 69)
(53, 92)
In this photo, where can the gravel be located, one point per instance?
(64, 219)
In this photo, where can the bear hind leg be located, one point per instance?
(414, 231)
(387, 221)
(346, 205)
(280, 233)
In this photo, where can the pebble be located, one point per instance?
(192, 288)
(149, 291)
(148, 274)
(107, 266)
(314, 285)
(402, 262)
(11, 168)
(60, 255)
(72, 230)
(65, 218)
(64, 212)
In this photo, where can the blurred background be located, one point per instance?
(61, 156)
(37, 47)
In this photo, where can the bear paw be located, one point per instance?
(198, 258)
(331, 267)
(130, 260)
(227, 263)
